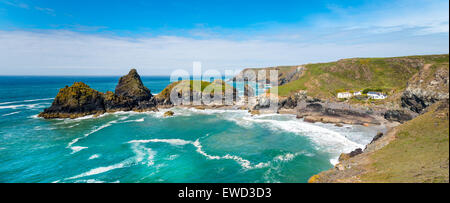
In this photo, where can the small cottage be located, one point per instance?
(376, 95)
(344, 95)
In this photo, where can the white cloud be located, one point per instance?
(70, 53)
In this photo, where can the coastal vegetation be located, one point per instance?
(419, 152)
(391, 75)
(416, 151)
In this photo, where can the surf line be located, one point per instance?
(244, 163)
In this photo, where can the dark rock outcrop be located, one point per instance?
(131, 86)
(378, 136)
(345, 156)
(400, 116)
(80, 100)
(316, 112)
(75, 101)
(429, 85)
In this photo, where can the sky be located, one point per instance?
(108, 37)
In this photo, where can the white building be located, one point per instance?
(376, 95)
(344, 95)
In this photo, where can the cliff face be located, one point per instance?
(80, 100)
(426, 87)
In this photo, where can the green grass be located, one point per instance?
(389, 74)
(420, 152)
(186, 85)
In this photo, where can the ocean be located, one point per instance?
(194, 146)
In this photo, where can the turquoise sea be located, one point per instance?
(193, 146)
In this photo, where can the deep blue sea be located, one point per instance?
(193, 146)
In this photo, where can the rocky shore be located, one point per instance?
(131, 95)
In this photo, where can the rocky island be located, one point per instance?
(80, 100)
(130, 94)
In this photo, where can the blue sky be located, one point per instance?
(54, 37)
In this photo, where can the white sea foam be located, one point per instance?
(76, 149)
(94, 156)
(324, 139)
(31, 100)
(11, 106)
(143, 155)
(26, 106)
(169, 141)
(89, 181)
(12, 113)
(103, 169)
(87, 134)
(137, 120)
(244, 163)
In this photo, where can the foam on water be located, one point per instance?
(94, 156)
(143, 155)
(76, 149)
(30, 100)
(324, 138)
(12, 113)
(244, 163)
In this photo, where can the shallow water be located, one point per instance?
(193, 146)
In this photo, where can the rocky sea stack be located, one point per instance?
(131, 86)
(81, 100)
(75, 101)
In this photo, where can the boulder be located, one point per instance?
(168, 113)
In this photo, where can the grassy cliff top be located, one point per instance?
(419, 152)
(188, 85)
(324, 80)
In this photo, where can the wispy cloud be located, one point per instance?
(45, 10)
(15, 3)
(422, 16)
(63, 52)
(19, 4)
(373, 30)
